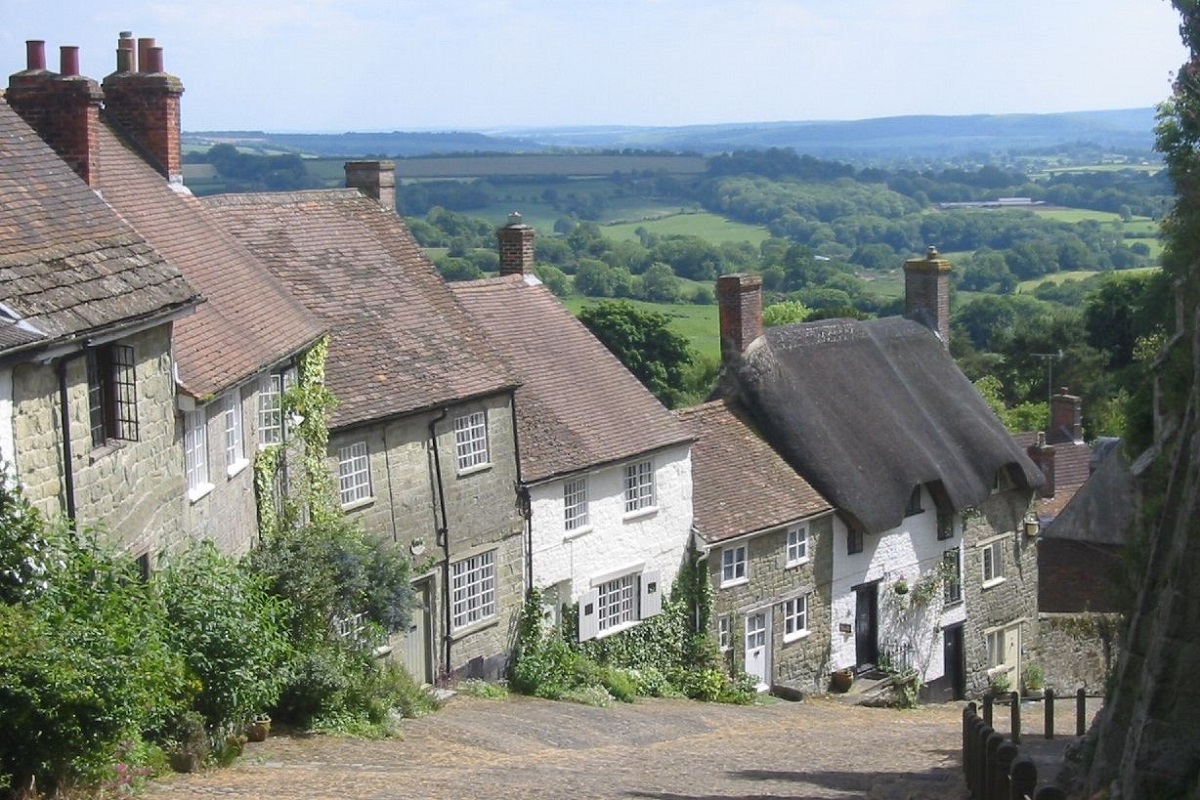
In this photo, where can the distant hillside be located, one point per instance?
(887, 137)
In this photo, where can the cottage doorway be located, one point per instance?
(757, 656)
(866, 626)
(954, 658)
(415, 645)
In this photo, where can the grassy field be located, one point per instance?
(1073, 215)
(710, 227)
(1027, 287)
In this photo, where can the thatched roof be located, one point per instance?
(865, 411)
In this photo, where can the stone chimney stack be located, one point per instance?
(1042, 455)
(927, 292)
(1066, 415)
(375, 179)
(739, 303)
(64, 109)
(516, 247)
(143, 102)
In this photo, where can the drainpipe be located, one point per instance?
(64, 411)
(525, 505)
(442, 531)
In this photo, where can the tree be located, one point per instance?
(645, 344)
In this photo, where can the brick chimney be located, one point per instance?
(1066, 416)
(64, 109)
(143, 102)
(1042, 455)
(927, 292)
(739, 303)
(516, 247)
(375, 179)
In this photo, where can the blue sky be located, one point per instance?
(337, 65)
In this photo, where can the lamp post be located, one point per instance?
(1050, 358)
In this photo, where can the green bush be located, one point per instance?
(620, 684)
(231, 633)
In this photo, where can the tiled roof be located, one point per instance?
(399, 342)
(1072, 467)
(577, 406)
(740, 484)
(68, 263)
(250, 321)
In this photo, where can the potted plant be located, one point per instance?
(900, 586)
(1034, 681)
(187, 743)
(1001, 684)
(841, 680)
(259, 728)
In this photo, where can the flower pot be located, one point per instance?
(841, 681)
(258, 730)
(185, 760)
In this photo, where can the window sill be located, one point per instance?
(110, 446)
(474, 627)
(200, 492)
(357, 504)
(948, 604)
(799, 563)
(795, 637)
(993, 582)
(633, 516)
(734, 582)
(462, 473)
(571, 536)
(624, 626)
(233, 470)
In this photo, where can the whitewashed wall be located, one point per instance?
(614, 541)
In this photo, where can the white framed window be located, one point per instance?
(725, 632)
(235, 451)
(993, 562)
(639, 486)
(995, 649)
(617, 604)
(471, 440)
(795, 618)
(733, 565)
(797, 545)
(270, 405)
(195, 452)
(354, 473)
(575, 504)
(473, 589)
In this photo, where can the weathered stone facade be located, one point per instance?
(1078, 651)
(482, 515)
(131, 489)
(1008, 602)
(803, 662)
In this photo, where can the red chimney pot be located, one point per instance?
(35, 54)
(69, 59)
(143, 52)
(154, 57)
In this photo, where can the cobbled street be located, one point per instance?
(668, 749)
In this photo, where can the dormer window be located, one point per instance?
(914, 503)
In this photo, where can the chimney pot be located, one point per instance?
(1042, 455)
(143, 53)
(126, 58)
(69, 60)
(35, 54)
(155, 57)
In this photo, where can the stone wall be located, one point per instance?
(1006, 603)
(801, 664)
(482, 514)
(1078, 650)
(131, 489)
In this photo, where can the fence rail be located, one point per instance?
(994, 768)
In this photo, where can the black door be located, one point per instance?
(955, 661)
(866, 626)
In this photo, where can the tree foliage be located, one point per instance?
(645, 344)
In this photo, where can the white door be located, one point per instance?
(756, 649)
(1012, 653)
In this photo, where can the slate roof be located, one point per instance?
(578, 406)
(399, 342)
(69, 265)
(739, 483)
(865, 411)
(250, 322)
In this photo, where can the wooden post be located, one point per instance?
(1005, 756)
(1023, 779)
(968, 715)
(1049, 713)
(972, 759)
(988, 699)
(1015, 729)
(981, 740)
(991, 773)
(1080, 712)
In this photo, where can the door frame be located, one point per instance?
(768, 641)
(866, 643)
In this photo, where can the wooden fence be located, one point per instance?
(994, 767)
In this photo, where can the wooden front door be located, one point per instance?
(757, 645)
(954, 660)
(866, 626)
(414, 648)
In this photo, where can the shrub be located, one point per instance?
(588, 696)
(231, 634)
(620, 684)
(474, 687)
